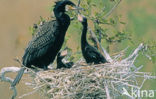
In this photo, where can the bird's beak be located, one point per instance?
(75, 8)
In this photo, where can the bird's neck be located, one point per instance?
(62, 17)
(59, 59)
(84, 34)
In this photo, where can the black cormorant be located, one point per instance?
(46, 43)
(60, 63)
(90, 53)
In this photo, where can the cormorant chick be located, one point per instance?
(90, 53)
(60, 63)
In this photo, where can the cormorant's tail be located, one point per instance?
(18, 77)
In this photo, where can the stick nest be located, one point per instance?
(93, 81)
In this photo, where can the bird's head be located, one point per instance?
(62, 6)
(82, 18)
(62, 54)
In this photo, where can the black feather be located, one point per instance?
(60, 64)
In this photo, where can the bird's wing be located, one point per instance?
(92, 52)
(44, 37)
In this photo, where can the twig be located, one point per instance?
(109, 59)
(115, 6)
(134, 54)
(79, 1)
(107, 92)
(78, 5)
(28, 93)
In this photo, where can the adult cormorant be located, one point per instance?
(90, 53)
(44, 46)
(60, 63)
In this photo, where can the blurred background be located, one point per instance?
(137, 18)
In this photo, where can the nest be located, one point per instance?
(93, 81)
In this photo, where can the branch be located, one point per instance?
(134, 55)
(7, 79)
(6, 70)
(78, 5)
(28, 93)
(79, 1)
(115, 6)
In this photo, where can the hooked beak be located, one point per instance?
(75, 8)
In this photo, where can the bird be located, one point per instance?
(46, 43)
(60, 63)
(90, 53)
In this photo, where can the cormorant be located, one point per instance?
(46, 43)
(60, 63)
(90, 53)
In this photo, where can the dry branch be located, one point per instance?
(113, 8)
(8, 79)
